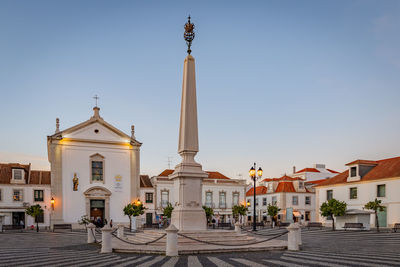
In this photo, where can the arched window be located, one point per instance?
(97, 168)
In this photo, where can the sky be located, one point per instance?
(279, 83)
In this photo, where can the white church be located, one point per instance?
(95, 171)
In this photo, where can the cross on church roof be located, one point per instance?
(96, 98)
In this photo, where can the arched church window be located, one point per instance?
(97, 168)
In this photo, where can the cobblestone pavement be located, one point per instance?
(320, 248)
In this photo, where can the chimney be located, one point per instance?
(294, 169)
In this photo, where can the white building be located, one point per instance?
(21, 187)
(290, 194)
(316, 172)
(363, 181)
(218, 191)
(94, 171)
(147, 197)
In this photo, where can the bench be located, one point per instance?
(62, 226)
(314, 224)
(13, 227)
(353, 225)
(283, 224)
(396, 227)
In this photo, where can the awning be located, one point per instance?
(296, 214)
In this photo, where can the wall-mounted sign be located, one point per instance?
(118, 183)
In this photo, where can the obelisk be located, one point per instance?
(188, 214)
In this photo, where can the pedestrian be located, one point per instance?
(111, 223)
(22, 224)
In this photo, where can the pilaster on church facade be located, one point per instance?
(95, 171)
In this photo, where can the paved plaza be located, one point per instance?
(320, 248)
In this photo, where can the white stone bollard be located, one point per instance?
(120, 231)
(133, 224)
(293, 243)
(172, 241)
(299, 234)
(106, 246)
(90, 233)
(237, 228)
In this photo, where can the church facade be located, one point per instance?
(95, 171)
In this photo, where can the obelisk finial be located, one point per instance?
(189, 34)
(57, 125)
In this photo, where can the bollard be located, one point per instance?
(106, 246)
(120, 231)
(237, 228)
(90, 233)
(299, 234)
(172, 241)
(293, 243)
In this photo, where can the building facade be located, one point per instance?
(293, 197)
(21, 187)
(94, 171)
(218, 192)
(363, 181)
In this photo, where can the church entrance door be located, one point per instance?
(97, 211)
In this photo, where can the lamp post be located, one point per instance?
(254, 176)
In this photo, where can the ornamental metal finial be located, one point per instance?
(189, 34)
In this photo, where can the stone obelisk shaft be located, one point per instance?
(188, 214)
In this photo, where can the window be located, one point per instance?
(0, 195)
(39, 218)
(329, 194)
(353, 193)
(17, 174)
(307, 216)
(308, 200)
(270, 187)
(209, 199)
(274, 201)
(235, 198)
(17, 195)
(164, 198)
(149, 197)
(353, 171)
(222, 200)
(97, 170)
(38, 195)
(264, 201)
(301, 185)
(381, 190)
(256, 201)
(295, 200)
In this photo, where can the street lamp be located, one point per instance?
(52, 201)
(254, 176)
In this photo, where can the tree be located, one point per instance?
(375, 206)
(167, 211)
(332, 208)
(133, 210)
(272, 211)
(239, 210)
(84, 220)
(209, 212)
(35, 211)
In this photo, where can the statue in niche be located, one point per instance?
(75, 181)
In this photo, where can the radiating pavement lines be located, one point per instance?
(247, 262)
(144, 258)
(373, 258)
(219, 262)
(318, 262)
(102, 261)
(28, 257)
(153, 261)
(76, 262)
(171, 262)
(283, 263)
(121, 260)
(62, 259)
(193, 261)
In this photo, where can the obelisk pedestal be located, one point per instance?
(188, 214)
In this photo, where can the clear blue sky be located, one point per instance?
(281, 83)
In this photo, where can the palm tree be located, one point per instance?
(35, 211)
(375, 206)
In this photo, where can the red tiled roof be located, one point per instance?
(31, 176)
(283, 178)
(211, 175)
(286, 187)
(145, 181)
(332, 171)
(386, 168)
(308, 170)
(317, 181)
(364, 162)
(261, 190)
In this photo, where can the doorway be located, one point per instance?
(97, 211)
(18, 218)
(382, 218)
(149, 218)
